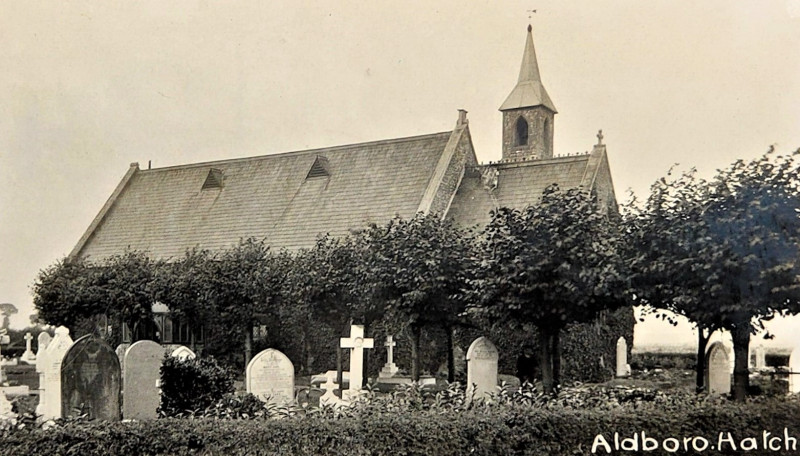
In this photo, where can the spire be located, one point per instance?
(529, 90)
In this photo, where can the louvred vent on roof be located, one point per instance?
(319, 168)
(213, 180)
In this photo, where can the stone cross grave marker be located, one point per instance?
(141, 380)
(622, 358)
(794, 371)
(270, 377)
(482, 359)
(183, 353)
(718, 369)
(90, 380)
(330, 398)
(28, 356)
(761, 357)
(50, 399)
(390, 368)
(356, 343)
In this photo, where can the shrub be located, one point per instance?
(192, 385)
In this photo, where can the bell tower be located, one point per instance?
(528, 113)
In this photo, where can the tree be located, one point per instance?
(184, 287)
(552, 264)
(739, 235)
(73, 292)
(245, 282)
(426, 264)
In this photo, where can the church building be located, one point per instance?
(292, 198)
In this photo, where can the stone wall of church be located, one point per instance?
(452, 177)
(540, 134)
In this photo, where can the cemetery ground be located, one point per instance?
(657, 403)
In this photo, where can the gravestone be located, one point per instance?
(28, 356)
(120, 351)
(482, 359)
(5, 339)
(622, 358)
(50, 399)
(330, 398)
(270, 377)
(183, 353)
(41, 360)
(90, 380)
(718, 369)
(390, 368)
(142, 380)
(356, 343)
(794, 371)
(761, 357)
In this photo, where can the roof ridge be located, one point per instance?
(299, 152)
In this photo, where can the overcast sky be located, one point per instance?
(86, 88)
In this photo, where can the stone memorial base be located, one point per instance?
(389, 370)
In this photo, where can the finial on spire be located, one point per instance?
(600, 137)
(530, 29)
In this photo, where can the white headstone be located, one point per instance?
(270, 377)
(761, 357)
(482, 360)
(50, 401)
(183, 353)
(142, 380)
(794, 371)
(356, 343)
(390, 368)
(41, 361)
(718, 373)
(622, 358)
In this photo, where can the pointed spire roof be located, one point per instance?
(529, 91)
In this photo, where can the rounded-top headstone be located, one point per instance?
(90, 380)
(482, 359)
(142, 376)
(270, 377)
(183, 353)
(718, 373)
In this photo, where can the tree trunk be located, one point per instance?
(556, 353)
(365, 371)
(416, 335)
(248, 343)
(741, 374)
(546, 359)
(702, 343)
(339, 367)
(451, 360)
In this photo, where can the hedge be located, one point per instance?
(497, 430)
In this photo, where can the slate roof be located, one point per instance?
(165, 211)
(520, 184)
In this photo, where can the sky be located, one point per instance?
(88, 87)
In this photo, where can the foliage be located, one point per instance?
(525, 422)
(555, 263)
(725, 253)
(192, 385)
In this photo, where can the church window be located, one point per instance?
(522, 132)
(214, 179)
(546, 135)
(319, 168)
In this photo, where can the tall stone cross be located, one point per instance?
(390, 368)
(356, 343)
(28, 356)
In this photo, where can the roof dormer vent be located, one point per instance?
(319, 168)
(214, 179)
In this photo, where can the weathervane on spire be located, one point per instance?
(530, 13)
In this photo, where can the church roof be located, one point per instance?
(518, 184)
(288, 199)
(529, 91)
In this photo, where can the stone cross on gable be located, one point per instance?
(356, 343)
(599, 137)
